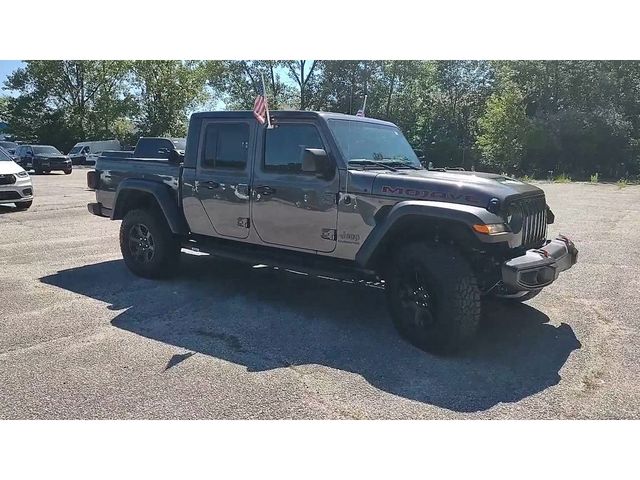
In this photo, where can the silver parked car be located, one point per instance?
(15, 183)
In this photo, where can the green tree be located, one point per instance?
(584, 114)
(305, 74)
(166, 91)
(59, 100)
(503, 131)
(237, 83)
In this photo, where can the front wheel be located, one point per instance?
(433, 297)
(148, 246)
(68, 171)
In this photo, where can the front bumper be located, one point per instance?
(66, 165)
(50, 164)
(20, 191)
(98, 209)
(539, 267)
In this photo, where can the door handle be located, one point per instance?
(209, 184)
(265, 190)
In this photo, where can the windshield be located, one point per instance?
(4, 156)
(75, 150)
(8, 145)
(45, 150)
(179, 143)
(370, 143)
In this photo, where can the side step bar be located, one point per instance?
(311, 264)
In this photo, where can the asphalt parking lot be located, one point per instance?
(81, 337)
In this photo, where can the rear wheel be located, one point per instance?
(433, 297)
(148, 246)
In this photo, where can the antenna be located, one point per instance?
(266, 102)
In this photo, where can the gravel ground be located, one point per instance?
(81, 337)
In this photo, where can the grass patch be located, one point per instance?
(594, 178)
(623, 182)
(562, 178)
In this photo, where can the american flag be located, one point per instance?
(260, 107)
(360, 113)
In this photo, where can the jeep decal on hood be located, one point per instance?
(470, 188)
(431, 195)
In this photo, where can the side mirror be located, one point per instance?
(175, 157)
(316, 160)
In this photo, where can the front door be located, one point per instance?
(289, 207)
(28, 158)
(222, 175)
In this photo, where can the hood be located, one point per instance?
(468, 188)
(9, 167)
(52, 155)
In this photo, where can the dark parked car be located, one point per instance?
(43, 159)
(10, 147)
(158, 147)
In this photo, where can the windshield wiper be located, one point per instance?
(365, 161)
(400, 163)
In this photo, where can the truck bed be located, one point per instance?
(115, 169)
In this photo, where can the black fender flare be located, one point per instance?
(163, 196)
(468, 215)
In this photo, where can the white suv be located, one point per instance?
(15, 183)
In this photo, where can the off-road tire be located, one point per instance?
(453, 297)
(24, 205)
(166, 247)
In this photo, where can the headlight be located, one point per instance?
(491, 228)
(22, 174)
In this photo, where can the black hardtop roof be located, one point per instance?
(296, 114)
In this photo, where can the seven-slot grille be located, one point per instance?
(534, 220)
(7, 179)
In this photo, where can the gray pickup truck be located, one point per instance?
(338, 196)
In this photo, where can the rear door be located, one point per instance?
(291, 207)
(223, 174)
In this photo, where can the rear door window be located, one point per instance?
(226, 145)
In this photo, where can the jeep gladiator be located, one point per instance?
(340, 196)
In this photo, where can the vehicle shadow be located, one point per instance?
(7, 209)
(263, 319)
